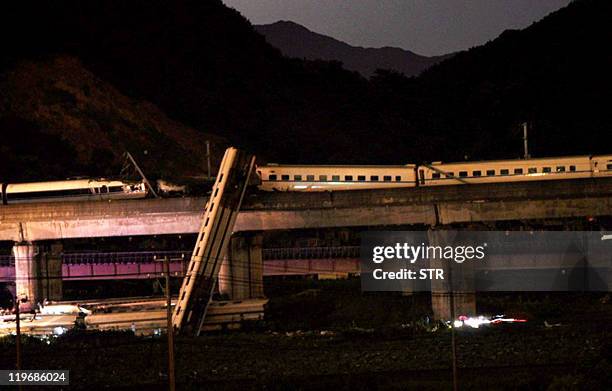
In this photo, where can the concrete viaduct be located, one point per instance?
(430, 206)
(27, 224)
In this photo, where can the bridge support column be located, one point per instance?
(50, 272)
(241, 274)
(457, 290)
(26, 271)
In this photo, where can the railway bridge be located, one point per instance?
(29, 226)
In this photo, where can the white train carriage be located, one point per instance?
(601, 165)
(71, 190)
(331, 178)
(437, 174)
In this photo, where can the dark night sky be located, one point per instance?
(428, 27)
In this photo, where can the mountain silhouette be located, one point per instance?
(295, 40)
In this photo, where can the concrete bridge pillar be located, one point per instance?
(457, 290)
(26, 271)
(50, 272)
(241, 274)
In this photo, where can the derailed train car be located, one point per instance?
(276, 177)
(519, 170)
(71, 190)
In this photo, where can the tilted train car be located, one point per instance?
(331, 178)
(71, 190)
(439, 173)
(601, 165)
(554, 168)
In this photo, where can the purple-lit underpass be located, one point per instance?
(148, 264)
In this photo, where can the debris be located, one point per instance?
(477, 321)
(62, 309)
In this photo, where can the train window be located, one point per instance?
(361, 178)
(387, 178)
(398, 178)
(285, 177)
(348, 177)
(297, 177)
(504, 171)
(546, 169)
(572, 168)
(490, 172)
(374, 178)
(323, 178)
(310, 178)
(272, 177)
(336, 178)
(476, 173)
(532, 170)
(435, 175)
(462, 173)
(450, 174)
(609, 166)
(560, 168)
(518, 171)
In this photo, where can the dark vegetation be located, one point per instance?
(25, 159)
(204, 65)
(58, 120)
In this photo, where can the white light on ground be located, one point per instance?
(477, 321)
(59, 330)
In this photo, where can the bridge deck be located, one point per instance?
(263, 211)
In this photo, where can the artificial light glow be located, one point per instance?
(59, 330)
(477, 321)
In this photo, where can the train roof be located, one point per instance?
(271, 165)
(64, 185)
(531, 159)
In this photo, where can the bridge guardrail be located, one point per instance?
(269, 254)
(81, 258)
(124, 257)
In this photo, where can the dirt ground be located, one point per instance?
(327, 334)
